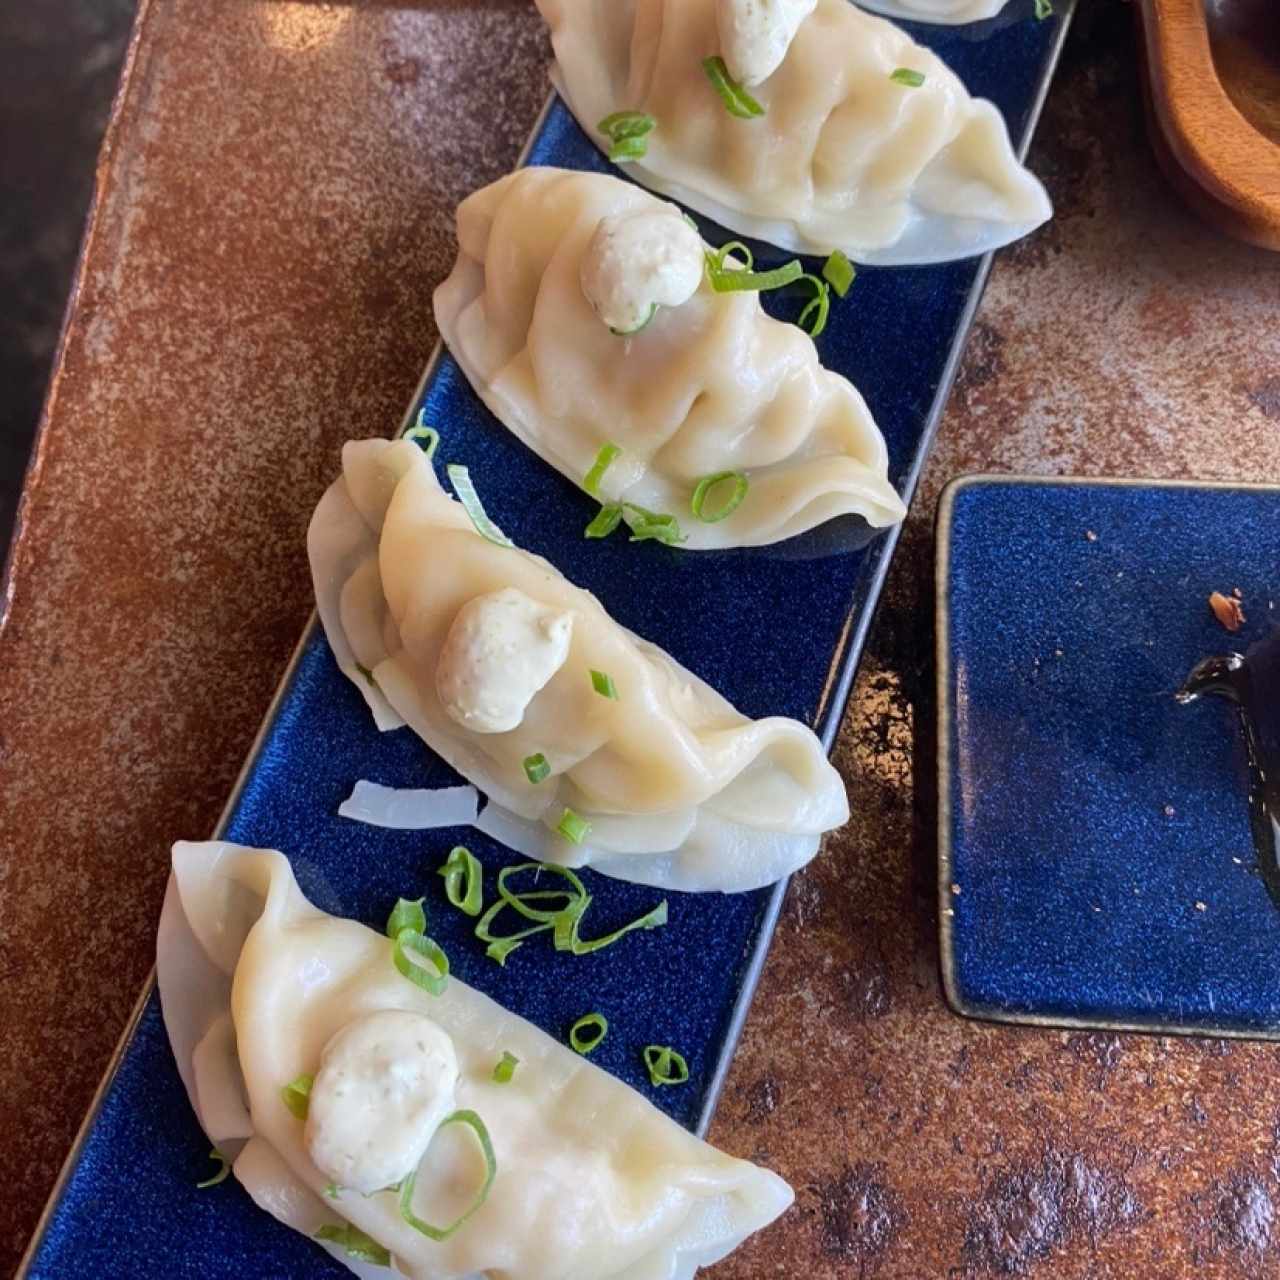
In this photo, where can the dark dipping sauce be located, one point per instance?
(1252, 683)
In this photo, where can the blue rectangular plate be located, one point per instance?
(127, 1191)
(1097, 831)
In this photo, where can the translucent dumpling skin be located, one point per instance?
(260, 989)
(679, 789)
(711, 385)
(845, 156)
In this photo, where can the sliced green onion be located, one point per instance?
(666, 1066)
(737, 101)
(224, 1168)
(332, 1190)
(607, 519)
(463, 880)
(654, 919)
(646, 525)
(518, 902)
(368, 675)
(716, 258)
(406, 915)
(355, 1244)
(536, 767)
(591, 481)
(297, 1094)
(839, 273)
(420, 975)
(460, 478)
(1044, 9)
(698, 504)
(644, 324)
(420, 431)
(737, 279)
(602, 683)
(506, 1068)
(573, 826)
(627, 130)
(499, 946)
(472, 1121)
(587, 1033)
(819, 307)
(904, 75)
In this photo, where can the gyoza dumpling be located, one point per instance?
(844, 155)
(581, 312)
(949, 12)
(260, 989)
(497, 661)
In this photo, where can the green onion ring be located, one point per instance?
(589, 1023)
(420, 431)
(607, 454)
(406, 914)
(411, 940)
(473, 1122)
(297, 1095)
(839, 273)
(699, 500)
(654, 919)
(536, 768)
(906, 76)
(506, 1068)
(463, 881)
(661, 1059)
(821, 304)
(607, 519)
(223, 1170)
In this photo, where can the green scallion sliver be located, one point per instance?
(224, 1168)
(1044, 9)
(587, 1033)
(603, 684)
(731, 280)
(737, 101)
(460, 478)
(627, 131)
(905, 76)
(427, 436)
(506, 1068)
(477, 1126)
(463, 881)
(536, 767)
(839, 273)
(297, 1095)
(407, 914)
(607, 454)
(355, 1244)
(573, 826)
(813, 319)
(698, 503)
(666, 1066)
(431, 979)
(607, 519)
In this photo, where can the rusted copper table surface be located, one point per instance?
(274, 207)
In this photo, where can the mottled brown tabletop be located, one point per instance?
(274, 208)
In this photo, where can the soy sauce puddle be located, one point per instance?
(1252, 684)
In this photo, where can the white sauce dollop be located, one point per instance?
(756, 34)
(385, 1083)
(638, 261)
(501, 649)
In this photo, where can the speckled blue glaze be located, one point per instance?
(777, 630)
(1085, 814)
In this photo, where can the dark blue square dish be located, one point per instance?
(1096, 863)
(128, 1190)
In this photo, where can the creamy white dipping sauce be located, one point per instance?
(385, 1083)
(500, 651)
(639, 261)
(756, 34)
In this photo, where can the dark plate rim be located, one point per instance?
(951, 985)
(835, 694)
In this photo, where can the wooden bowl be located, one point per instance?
(1213, 73)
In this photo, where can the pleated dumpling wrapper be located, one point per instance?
(946, 12)
(553, 266)
(592, 745)
(856, 138)
(328, 1078)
